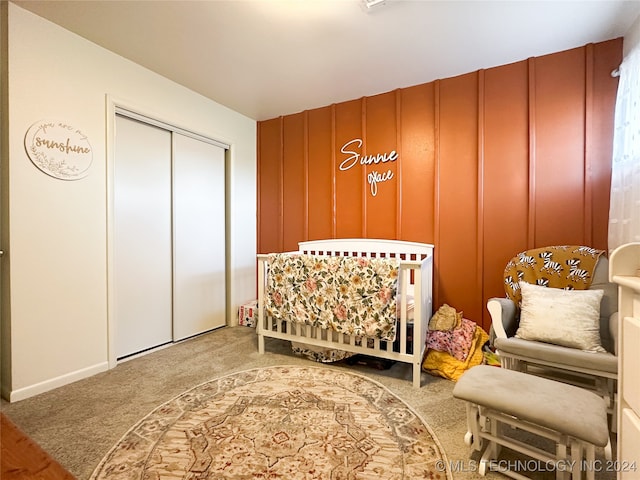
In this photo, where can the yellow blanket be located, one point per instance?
(444, 365)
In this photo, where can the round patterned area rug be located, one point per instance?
(280, 423)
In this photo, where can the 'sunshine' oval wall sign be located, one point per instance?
(59, 149)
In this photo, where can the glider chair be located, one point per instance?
(559, 318)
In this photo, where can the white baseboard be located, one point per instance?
(32, 390)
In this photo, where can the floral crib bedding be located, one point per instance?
(350, 295)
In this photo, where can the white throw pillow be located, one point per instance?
(570, 318)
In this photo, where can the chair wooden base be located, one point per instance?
(488, 432)
(500, 402)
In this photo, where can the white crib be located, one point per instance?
(414, 281)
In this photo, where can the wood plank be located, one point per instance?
(458, 197)
(294, 183)
(22, 458)
(506, 173)
(417, 163)
(270, 186)
(321, 174)
(559, 163)
(349, 184)
(381, 195)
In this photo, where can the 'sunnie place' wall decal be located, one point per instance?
(374, 177)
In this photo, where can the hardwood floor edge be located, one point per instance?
(22, 458)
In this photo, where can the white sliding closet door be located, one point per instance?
(199, 237)
(141, 236)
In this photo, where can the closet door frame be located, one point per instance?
(115, 106)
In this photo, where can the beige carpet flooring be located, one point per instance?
(79, 423)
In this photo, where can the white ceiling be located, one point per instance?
(265, 58)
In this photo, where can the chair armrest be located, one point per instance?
(504, 318)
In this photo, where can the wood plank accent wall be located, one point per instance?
(490, 163)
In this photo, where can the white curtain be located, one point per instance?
(624, 213)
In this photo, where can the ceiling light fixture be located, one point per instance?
(369, 5)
